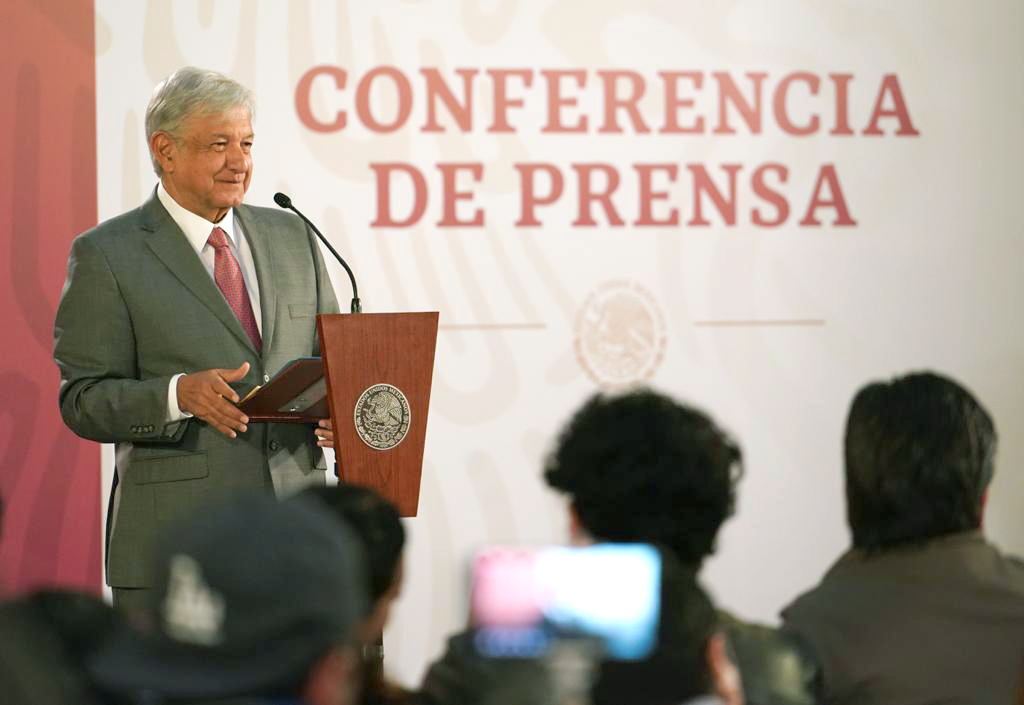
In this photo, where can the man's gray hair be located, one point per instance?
(188, 91)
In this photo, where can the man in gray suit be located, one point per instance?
(922, 608)
(173, 310)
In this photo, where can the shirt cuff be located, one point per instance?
(173, 412)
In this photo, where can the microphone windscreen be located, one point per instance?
(282, 200)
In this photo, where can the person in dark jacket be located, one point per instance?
(639, 467)
(922, 608)
(378, 526)
(642, 467)
(688, 664)
(45, 638)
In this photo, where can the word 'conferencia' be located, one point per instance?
(503, 101)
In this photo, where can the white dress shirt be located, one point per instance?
(197, 230)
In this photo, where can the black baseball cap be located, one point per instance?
(248, 594)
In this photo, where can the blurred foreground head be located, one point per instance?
(376, 523)
(919, 458)
(252, 597)
(690, 659)
(641, 467)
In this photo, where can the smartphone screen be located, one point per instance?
(522, 599)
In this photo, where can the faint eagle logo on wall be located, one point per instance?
(620, 334)
(382, 416)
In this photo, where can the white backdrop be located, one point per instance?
(770, 329)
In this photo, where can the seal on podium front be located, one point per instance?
(382, 416)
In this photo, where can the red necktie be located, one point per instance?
(228, 276)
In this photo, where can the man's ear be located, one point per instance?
(164, 150)
(725, 677)
(333, 679)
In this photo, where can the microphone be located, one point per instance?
(285, 202)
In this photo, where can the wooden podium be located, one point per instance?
(378, 368)
(373, 379)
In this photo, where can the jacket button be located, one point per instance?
(274, 445)
(266, 378)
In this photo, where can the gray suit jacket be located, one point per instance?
(138, 307)
(938, 623)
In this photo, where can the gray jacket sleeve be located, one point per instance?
(101, 397)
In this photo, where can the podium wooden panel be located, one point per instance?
(360, 350)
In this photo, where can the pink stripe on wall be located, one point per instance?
(49, 478)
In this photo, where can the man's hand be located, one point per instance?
(325, 434)
(207, 396)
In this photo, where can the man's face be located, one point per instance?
(208, 168)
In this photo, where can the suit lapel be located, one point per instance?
(171, 246)
(260, 245)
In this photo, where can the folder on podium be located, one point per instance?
(296, 394)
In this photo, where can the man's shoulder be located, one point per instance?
(1009, 568)
(961, 564)
(43, 639)
(263, 217)
(805, 605)
(967, 560)
(1015, 565)
(115, 227)
(118, 237)
(842, 591)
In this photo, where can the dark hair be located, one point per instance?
(677, 669)
(640, 467)
(376, 522)
(919, 453)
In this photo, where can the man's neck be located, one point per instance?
(214, 216)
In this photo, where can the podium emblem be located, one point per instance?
(382, 416)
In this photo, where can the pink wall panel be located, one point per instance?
(49, 478)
